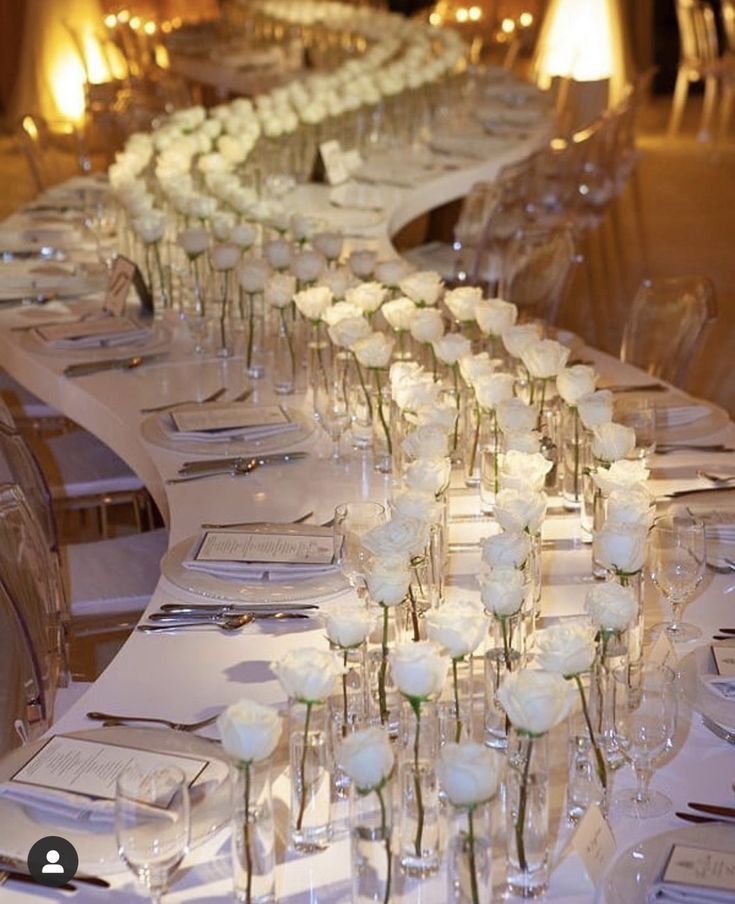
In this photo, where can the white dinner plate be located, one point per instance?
(156, 341)
(695, 664)
(629, 879)
(154, 430)
(22, 824)
(244, 591)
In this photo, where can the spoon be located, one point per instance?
(240, 468)
(177, 726)
(225, 623)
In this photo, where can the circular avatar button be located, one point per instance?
(53, 861)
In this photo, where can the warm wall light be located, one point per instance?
(526, 19)
(149, 28)
(462, 14)
(123, 16)
(475, 13)
(508, 26)
(582, 40)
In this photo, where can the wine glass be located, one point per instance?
(677, 558)
(330, 404)
(645, 713)
(352, 520)
(152, 824)
(640, 415)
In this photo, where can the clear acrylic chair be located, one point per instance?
(46, 145)
(666, 324)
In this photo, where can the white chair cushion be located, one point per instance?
(23, 403)
(113, 576)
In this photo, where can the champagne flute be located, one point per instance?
(152, 824)
(645, 713)
(330, 404)
(677, 558)
(352, 520)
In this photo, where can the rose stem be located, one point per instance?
(455, 682)
(302, 769)
(475, 441)
(473, 864)
(344, 695)
(414, 616)
(601, 770)
(248, 852)
(520, 822)
(388, 855)
(381, 414)
(383, 668)
(416, 706)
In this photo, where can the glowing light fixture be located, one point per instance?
(508, 26)
(526, 19)
(123, 16)
(582, 40)
(462, 14)
(475, 13)
(149, 28)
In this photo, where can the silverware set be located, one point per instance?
(87, 368)
(237, 466)
(228, 618)
(115, 719)
(714, 813)
(208, 525)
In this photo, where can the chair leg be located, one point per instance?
(679, 101)
(708, 107)
(728, 95)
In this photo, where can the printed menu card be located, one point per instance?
(271, 548)
(228, 416)
(710, 872)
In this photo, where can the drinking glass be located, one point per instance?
(644, 718)
(640, 415)
(677, 558)
(330, 405)
(352, 520)
(152, 824)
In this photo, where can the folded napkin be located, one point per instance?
(238, 571)
(722, 687)
(679, 415)
(63, 804)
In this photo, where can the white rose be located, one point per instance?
(308, 674)
(399, 313)
(302, 228)
(515, 415)
(611, 442)
(596, 408)
(473, 367)
(401, 371)
(573, 383)
(249, 731)
(520, 510)
(567, 650)
(494, 316)
(242, 235)
(509, 549)
(622, 475)
(441, 414)
(222, 224)
(468, 773)
(421, 507)
(429, 442)
(253, 273)
(329, 244)
(610, 606)
(368, 296)
(545, 359)
(338, 279)
(308, 266)
(374, 350)
(349, 331)
(620, 548)
(151, 227)
(194, 241)
(416, 392)
(528, 441)
(517, 338)
(341, 311)
(428, 475)
(313, 302)
(502, 591)
(633, 506)
(367, 757)
(536, 701)
(388, 579)
(494, 389)
(521, 470)
(390, 273)
(348, 625)
(224, 257)
(398, 537)
(451, 347)
(418, 669)
(362, 263)
(424, 287)
(427, 326)
(280, 290)
(279, 253)
(462, 302)
(459, 627)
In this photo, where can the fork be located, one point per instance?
(227, 623)
(212, 397)
(177, 726)
(238, 469)
(211, 526)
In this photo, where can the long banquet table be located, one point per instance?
(189, 675)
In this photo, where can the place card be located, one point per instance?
(307, 548)
(333, 162)
(592, 844)
(724, 656)
(91, 768)
(700, 868)
(238, 415)
(662, 651)
(87, 329)
(118, 285)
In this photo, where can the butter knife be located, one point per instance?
(87, 368)
(225, 464)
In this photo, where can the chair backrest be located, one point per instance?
(697, 33)
(665, 325)
(728, 22)
(30, 591)
(35, 136)
(538, 264)
(477, 207)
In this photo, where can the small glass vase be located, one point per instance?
(574, 459)
(469, 858)
(477, 435)
(612, 654)
(455, 704)
(310, 817)
(360, 401)
(583, 783)
(347, 710)
(527, 815)
(253, 836)
(284, 356)
(253, 321)
(318, 362)
(504, 654)
(371, 829)
(382, 439)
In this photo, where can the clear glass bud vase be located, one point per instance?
(285, 355)
(310, 817)
(371, 830)
(574, 458)
(504, 654)
(253, 836)
(469, 860)
(612, 654)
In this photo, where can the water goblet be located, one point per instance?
(330, 405)
(640, 415)
(352, 520)
(152, 824)
(677, 558)
(644, 717)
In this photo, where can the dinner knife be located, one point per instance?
(175, 617)
(225, 464)
(713, 809)
(696, 492)
(237, 608)
(87, 368)
(692, 817)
